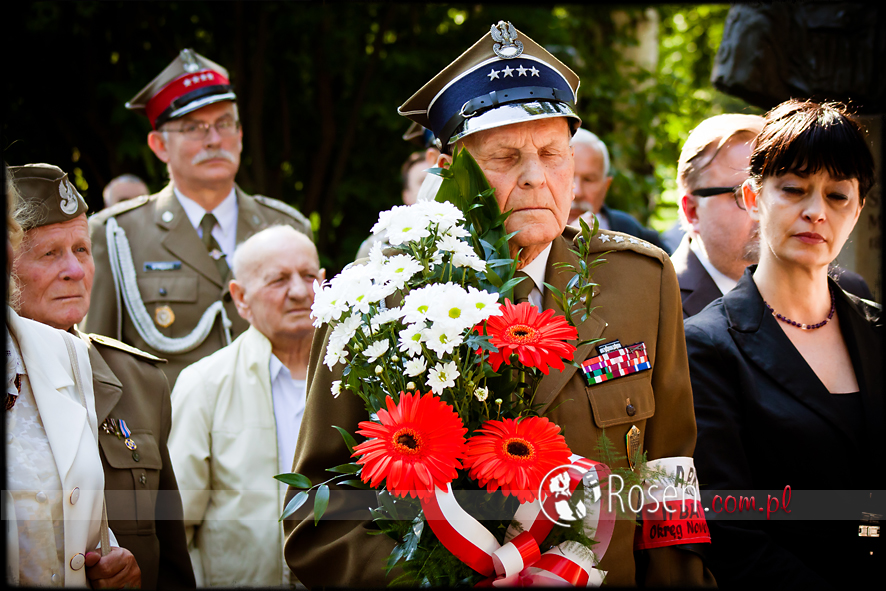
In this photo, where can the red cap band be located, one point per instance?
(179, 87)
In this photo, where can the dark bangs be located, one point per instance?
(807, 137)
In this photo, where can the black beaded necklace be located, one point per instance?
(787, 320)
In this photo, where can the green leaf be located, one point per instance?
(349, 439)
(293, 505)
(294, 480)
(355, 483)
(345, 469)
(321, 501)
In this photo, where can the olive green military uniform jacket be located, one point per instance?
(144, 506)
(638, 300)
(177, 280)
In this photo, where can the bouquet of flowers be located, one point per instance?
(468, 475)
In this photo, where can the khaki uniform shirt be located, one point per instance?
(144, 506)
(177, 279)
(638, 300)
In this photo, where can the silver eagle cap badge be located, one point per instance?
(67, 197)
(506, 46)
(190, 62)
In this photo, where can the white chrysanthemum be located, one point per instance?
(480, 305)
(469, 260)
(335, 354)
(399, 269)
(418, 303)
(344, 331)
(443, 337)
(481, 394)
(444, 214)
(407, 226)
(386, 217)
(442, 376)
(329, 303)
(411, 339)
(375, 350)
(384, 317)
(336, 388)
(450, 243)
(415, 367)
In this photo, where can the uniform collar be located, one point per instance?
(225, 213)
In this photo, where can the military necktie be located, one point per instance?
(215, 252)
(524, 288)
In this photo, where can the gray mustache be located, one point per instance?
(205, 155)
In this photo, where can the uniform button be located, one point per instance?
(630, 408)
(162, 291)
(75, 495)
(167, 216)
(55, 579)
(135, 456)
(41, 497)
(78, 561)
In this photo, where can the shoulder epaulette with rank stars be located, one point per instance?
(114, 343)
(283, 208)
(121, 207)
(609, 240)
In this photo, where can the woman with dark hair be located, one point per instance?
(785, 368)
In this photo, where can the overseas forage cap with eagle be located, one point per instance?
(504, 78)
(189, 83)
(50, 190)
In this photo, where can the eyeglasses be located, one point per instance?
(198, 130)
(713, 191)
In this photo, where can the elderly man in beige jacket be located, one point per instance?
(236, 416)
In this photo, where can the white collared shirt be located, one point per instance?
(536, 272)
(289, 408)
(225, 231)
(724, 283)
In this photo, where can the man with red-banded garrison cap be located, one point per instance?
(163, 261)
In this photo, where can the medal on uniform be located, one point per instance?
(130, 444)
(106, 426)
(632, 442)
(164, 316)
(216, 254)
(616, 362)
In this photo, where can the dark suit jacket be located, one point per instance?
(144, 506)
(637, 301)
(697, 289)
(765, 421)
(622, 221)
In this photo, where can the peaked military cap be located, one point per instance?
(190, 82)
(504, 78)
(48, 188)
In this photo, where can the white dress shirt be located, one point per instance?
(536, 272)
(723, 282)
(289, 408)
(225, 231)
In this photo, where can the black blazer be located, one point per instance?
(765, 421)
(697, 288)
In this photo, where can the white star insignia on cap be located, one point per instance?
(604, 237)
(534, 71)
(187, 82)
(633, 241)
(508, 71)
(618, 239)
(493, 74)
(522, 71)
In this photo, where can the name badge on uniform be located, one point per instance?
(162, 266)
(616, 364)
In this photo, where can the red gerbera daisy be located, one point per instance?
(416, 447)
(539, 340)
(515, 456)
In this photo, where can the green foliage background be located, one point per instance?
(319, 84)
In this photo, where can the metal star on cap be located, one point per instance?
(522, 71)
(534, 71)
(633, 241)
(604, 237)
(493, 74)
(618, 239)
(508, 71)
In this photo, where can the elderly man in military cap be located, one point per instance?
(511, 104)
(54, 268)
(162, 260)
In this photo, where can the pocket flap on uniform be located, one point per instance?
(145, 455)
(168, 287)
(611, 401)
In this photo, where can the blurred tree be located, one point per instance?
(318, 87)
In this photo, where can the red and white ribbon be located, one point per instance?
(672, 512)
(519, 562)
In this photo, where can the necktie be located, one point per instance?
(523, 289)
(215, 252)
